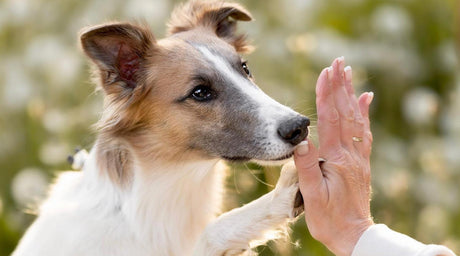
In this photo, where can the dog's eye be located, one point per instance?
(202, 93)
(244, 64)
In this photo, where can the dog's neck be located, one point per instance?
(161, 201)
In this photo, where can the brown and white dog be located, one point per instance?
(174, 108)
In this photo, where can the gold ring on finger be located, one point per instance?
(357, 139)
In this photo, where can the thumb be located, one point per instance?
(306, 161)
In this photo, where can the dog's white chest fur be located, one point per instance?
(164, 212)
(169, 212)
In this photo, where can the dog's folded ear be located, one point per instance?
(219, 16)
(119, 51)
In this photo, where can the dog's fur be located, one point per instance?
(152, 183)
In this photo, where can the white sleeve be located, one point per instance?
(379, 240)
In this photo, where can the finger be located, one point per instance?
(343, 105)
(306, 161)
(338, 65)
(328, 117)
(348, 75)
(364, 102)
(358, 127)
(348, 78)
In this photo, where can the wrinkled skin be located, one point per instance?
(336, 192)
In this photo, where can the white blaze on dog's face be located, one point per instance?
(245, 123)
(189, 95)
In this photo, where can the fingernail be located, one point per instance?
(370, 97)
(341, 63)
(330, 73)
(302, 148)
(348, 73)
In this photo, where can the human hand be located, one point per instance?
(336, 192)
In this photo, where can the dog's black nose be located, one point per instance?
(294, 130)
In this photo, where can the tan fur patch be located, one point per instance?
(217, 16)
(115, 160)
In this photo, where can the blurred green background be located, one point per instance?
(406, 51)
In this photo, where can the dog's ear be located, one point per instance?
(119, 51)
(220, 17)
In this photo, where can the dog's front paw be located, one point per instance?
(287, 199)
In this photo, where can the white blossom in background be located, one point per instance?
(93, 13)
(55, 120)
(28, 187)
(50, 56)
(301, 6)
(300, 12)
(430, 190)
(17, 11)
(66, 69)
(391, 150)
(420, 106)
(17, 85)
(99, 11)
(394, 182)
(450, 117)
(322, 46)
(431, 155)
(391, 21)
(155, 12)
(432, 224)
(274, 46)
(451, 152)
(52, 153)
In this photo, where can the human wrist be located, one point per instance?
(346, 244)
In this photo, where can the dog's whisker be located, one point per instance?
(235, 183)
(257, 178)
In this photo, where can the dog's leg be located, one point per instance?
(231, 233)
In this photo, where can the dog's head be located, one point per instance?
(189, 95)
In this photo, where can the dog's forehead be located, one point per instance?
(192, 42)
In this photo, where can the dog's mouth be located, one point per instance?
(283, 157)
(246, 159)
(236, 158)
